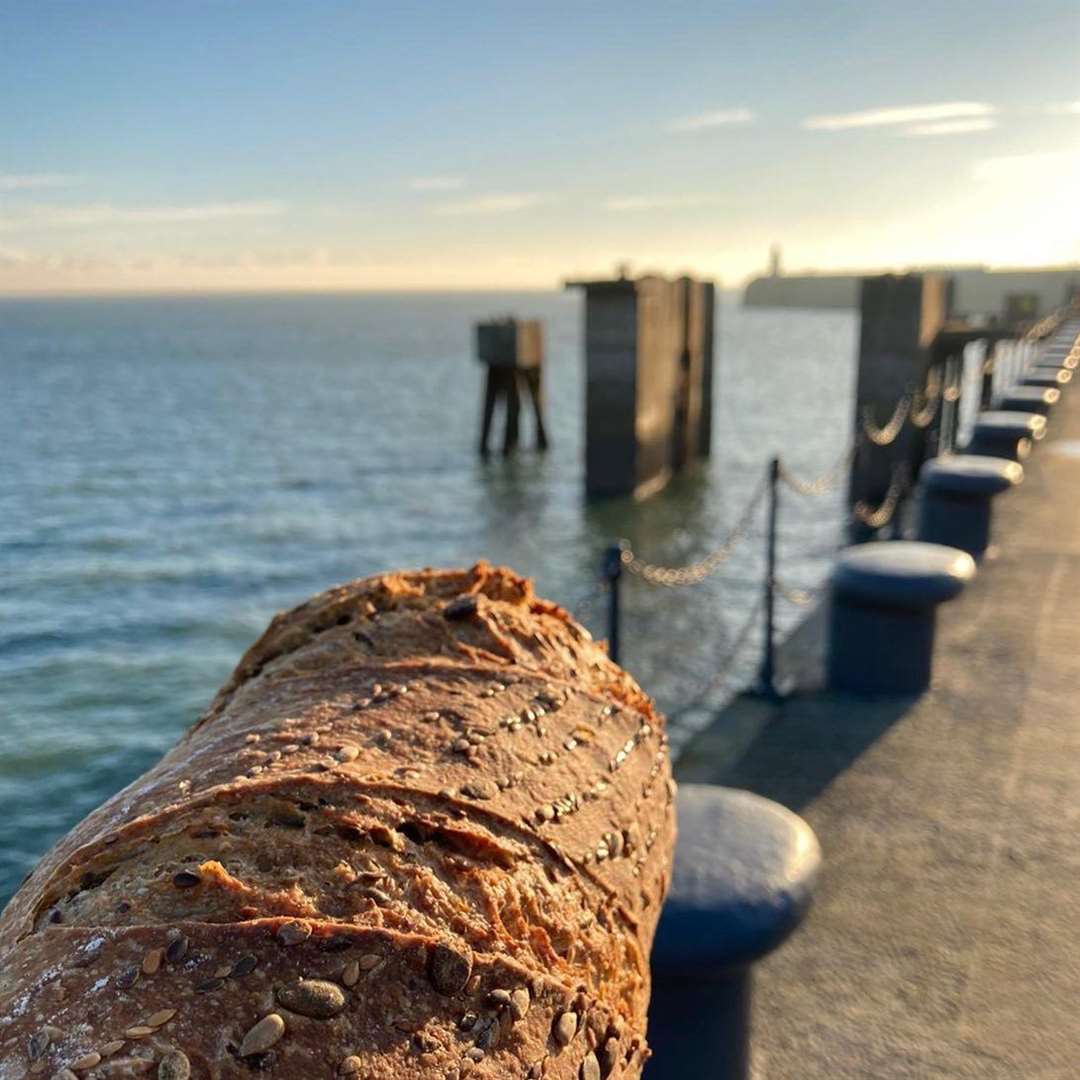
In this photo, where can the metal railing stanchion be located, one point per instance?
(767, 678)
(612, 572)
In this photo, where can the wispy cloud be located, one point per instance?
(436, 183)
(1064, 108)
(952, 127)
(630, 203)
(105, 214)
(33, 181)
(709, 120)
(489, 205)
(901, 114)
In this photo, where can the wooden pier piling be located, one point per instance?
(513, 352)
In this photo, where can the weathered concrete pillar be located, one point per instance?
(901, 318)
(693, 432)
(707, 306)
(744, 874)
(648, 348)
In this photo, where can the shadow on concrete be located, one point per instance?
(797, 749)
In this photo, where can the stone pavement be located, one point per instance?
(945, 940)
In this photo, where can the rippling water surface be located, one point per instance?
(177, 470)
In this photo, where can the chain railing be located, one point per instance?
(1046, 325)
(951, 392)
(880, 516)
(925, 404)
(820, 485)
(622, 557)
(884, 436)
(919, 408)
(674, 577)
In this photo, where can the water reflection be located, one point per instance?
(178, 470)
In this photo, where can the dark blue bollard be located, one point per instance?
(745, 870)
(1062, 358)
(1052, 378)
(956, 495)
(1055, 363)
(1034, 399)
(1006, 434)
(883, 610)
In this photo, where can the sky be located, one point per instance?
(204, 145)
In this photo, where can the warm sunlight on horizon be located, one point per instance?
(149, 150)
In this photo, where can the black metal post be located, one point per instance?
(612, 571)
(767, 678)
(700, 1026)
(744, 875)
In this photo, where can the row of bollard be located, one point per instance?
(745, 867)
(885, 595)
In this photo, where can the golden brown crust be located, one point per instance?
(435, 769)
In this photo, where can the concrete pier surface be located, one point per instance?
(945, 938)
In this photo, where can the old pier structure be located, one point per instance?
(910, 379)
(744, 872)
(945, 413)
(648, 381)
(512, 350)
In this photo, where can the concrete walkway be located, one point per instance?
(946, 937)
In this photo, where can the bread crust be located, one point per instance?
(424, 829)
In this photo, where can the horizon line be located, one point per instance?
(179, 292)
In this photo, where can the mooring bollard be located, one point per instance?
(744, 874)
(1055, 362)
(1003, 434)
(1053, 378)
(883, 610)
(1063, 358)
(1034, 399)
(956, 496)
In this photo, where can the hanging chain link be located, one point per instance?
(1046, 325)
(952, 391)
(820, 484)
(883, 436)
(924, 406)
(674, 577)
(881, 516)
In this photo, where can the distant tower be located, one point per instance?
(775, 269)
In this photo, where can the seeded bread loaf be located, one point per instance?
(424, 830)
